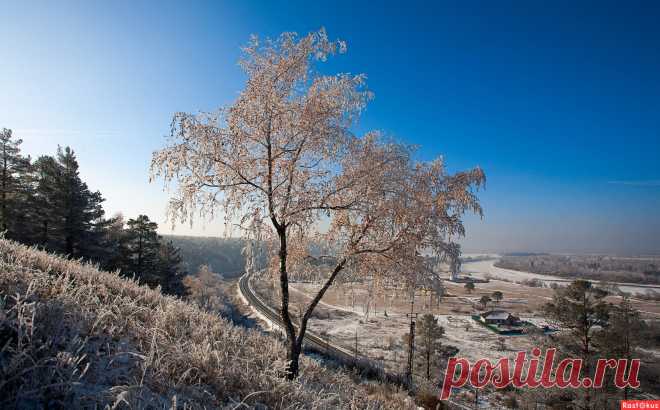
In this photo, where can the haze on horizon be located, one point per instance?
(559, 104)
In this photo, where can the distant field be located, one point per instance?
(643, 270)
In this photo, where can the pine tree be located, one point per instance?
(69, 216)
(579, 308)
(428, 341)
(115, 244)
(47, 211)
(14, 190)
(170, 273)
(485, 300)
(498, 296)
(81, 208)
(622, 337)
(104, 243)
(143, 249)
(47, 204)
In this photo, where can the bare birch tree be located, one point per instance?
(282, 163)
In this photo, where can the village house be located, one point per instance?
(499, 317)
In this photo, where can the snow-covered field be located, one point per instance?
(380, 336)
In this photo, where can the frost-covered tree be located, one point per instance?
(205, 288)
(282, 164)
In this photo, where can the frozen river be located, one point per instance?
(482, 268)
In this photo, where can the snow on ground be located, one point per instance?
(486, 268)
(380, 337)
(477, 342)
(461, 331)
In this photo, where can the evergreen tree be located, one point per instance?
(579, 308)
(143, 249)
(485, 300)
(14, 189)
(428, 341)
(153, 262)
(115, 244)
(82, 209)
(69, 216)
(428, 347)
(47, 204)
(623, 335)
(170, 272)
(105, 243)
(47, 212)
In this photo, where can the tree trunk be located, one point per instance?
(294, 348)
(44, 240)
(293, 358)
(585, 349)
(139, 256)
(69, 245)
(4, 188)
(428, 364)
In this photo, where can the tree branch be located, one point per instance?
(317, 299)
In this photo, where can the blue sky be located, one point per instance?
(559, 103)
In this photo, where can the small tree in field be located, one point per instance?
(429, 333)
(581, 309)
(485, 300)
(469, 287)
(624, 335)
(498, 296)
(284, 167)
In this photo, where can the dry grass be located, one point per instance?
(73, 336)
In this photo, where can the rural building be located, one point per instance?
(499, 317)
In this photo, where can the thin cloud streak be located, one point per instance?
(644, 183)
(38, 132)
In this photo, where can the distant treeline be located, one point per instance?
(593, 267)
(524, 254)
(45, 203)
(477, 258)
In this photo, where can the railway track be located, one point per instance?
(310, 340)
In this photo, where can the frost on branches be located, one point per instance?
(282, 164)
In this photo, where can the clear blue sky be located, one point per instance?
(559, 103)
